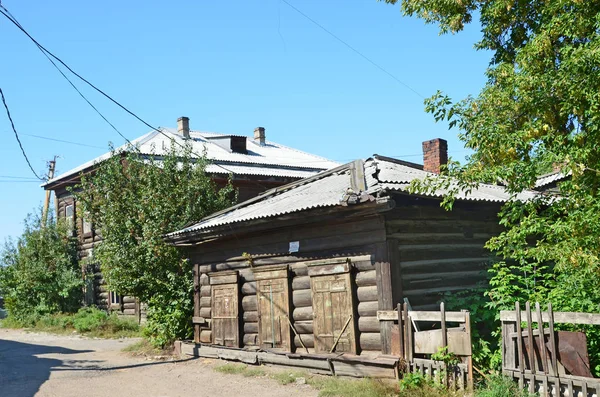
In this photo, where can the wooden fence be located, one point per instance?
(543, 360)
(415, 345)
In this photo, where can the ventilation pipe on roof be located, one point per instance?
(435, 154)
(259, 135)
(183, 127)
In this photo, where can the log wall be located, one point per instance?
(323, 243)
(439, 251)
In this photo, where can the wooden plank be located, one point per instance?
(400, 330)
(451, 317)
(304, 327)
(409, 328)
(559, 317)
(530, 339)
(250, 328)
(198, 320)
(270, 272)
(430, 342)
(224, 277)
(552, 340)
(470, 354)
(521, 357)
(443, 322)
(323, 270)
(544, 362)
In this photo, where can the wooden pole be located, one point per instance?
(340, 335)
(401, 331)
(51, 167)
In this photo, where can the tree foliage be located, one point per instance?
(539, 110)
(39, 272)
(133, 201)
(540, 107)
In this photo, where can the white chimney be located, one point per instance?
(259, 135)
(183, 127)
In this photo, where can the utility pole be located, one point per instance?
(51, 168)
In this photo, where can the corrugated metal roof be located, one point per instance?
(550, 178)
(271, 159)
(329, 187)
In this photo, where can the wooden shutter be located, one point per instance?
(272, 289)
(333, 311)
(224, 302)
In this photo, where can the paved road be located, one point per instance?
(33, 364)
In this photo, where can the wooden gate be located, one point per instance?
(415, 345)
(333, 313)
(545, 360)
(224, 302)
(272, 287)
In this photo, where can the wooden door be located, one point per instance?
(332, 307)
(225, 328)
(273, 312)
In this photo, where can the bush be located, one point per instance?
(500, 386)
(39, 273)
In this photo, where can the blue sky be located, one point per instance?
(229, 66)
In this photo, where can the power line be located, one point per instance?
(18, 177)
(352, 48)
(63, 141)
(46, 52)
(12, 124)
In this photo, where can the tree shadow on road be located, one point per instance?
(21, 372)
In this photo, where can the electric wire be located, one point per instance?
(352, 48)
(63, 141)
(12, 124)
(48, 54)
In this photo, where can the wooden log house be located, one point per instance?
(255, 165)
(304, 268)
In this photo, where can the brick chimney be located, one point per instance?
(259, 135)
(435, 154)
(183, 127)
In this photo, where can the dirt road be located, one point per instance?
(33, 364)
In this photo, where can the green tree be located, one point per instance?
(539, 110)
(133, 201)
(539, 107)
(39, 272)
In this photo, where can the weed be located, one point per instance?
(285, 378)
(231, 368)
(254, 372)
(146, 349)
(500, 386)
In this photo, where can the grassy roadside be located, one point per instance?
(88, 322)
(329, 386)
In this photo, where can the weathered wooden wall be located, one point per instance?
(439, 251)
(357, 239)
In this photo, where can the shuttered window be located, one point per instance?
(225, 308)
(272, 286)
(333, 323)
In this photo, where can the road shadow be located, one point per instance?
(21, 372)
